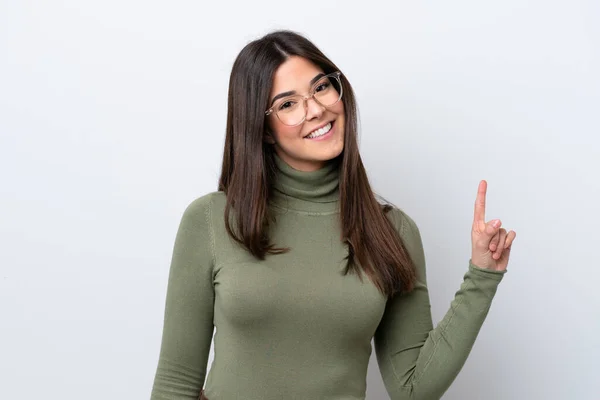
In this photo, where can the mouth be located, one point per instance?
(322, 131)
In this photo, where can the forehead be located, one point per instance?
(294, 74)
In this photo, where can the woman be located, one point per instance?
(296, 263)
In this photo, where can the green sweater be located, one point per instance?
(293, 327)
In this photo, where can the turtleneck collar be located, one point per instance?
(313, 191)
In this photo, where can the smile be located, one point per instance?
(321, 132)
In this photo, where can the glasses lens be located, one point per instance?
(328, 90)
(290, 110)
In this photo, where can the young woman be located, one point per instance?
(298, 266)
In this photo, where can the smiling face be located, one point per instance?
(298, 145)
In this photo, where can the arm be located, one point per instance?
(188, 318)
(417, 361)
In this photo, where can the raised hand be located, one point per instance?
(491, 244)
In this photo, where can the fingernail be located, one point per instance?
(496, 223)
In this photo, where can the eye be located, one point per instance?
(286, 104)
(322, 86)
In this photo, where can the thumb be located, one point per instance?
(492, 227)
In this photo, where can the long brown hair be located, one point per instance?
(248, 168)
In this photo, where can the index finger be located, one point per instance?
(480, 202)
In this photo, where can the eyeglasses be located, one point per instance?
(291, 110)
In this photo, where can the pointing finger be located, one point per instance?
(479, 214)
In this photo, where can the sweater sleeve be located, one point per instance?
(188, 317)
(418, 362)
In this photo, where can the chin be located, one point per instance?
(330, 155)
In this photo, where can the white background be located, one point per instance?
(112, 120)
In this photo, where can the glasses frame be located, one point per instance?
(336, 75)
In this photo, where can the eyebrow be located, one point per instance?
(284, 94)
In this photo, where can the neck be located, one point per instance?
(311, 191)
(300, 165)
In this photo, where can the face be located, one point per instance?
(292, 143)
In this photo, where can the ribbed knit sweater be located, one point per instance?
(292, 326)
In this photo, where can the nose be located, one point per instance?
(313, 109)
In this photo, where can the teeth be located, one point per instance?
(319, 132)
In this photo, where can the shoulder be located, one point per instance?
(201, 208)
(404, 223)
(411, 238)
(202, 203)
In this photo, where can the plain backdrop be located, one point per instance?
(112, 120)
